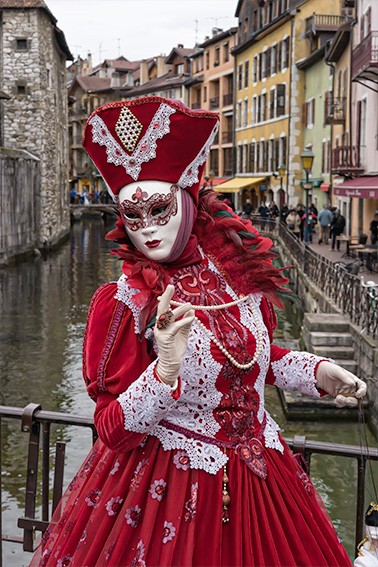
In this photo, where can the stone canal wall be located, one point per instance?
(32, 69)
(19, 203)
(314, 300)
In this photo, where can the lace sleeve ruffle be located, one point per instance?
(296, 371)
(146, 402)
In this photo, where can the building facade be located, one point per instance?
(33, 60)
(358, 158)
(270, 92)
(212, 88)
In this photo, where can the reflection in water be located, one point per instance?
(44, 306)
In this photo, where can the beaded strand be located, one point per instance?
(259, 337)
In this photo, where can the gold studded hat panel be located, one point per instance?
(150, 138)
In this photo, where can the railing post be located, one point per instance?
(361, 472)
(28, 425)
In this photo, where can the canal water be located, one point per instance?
(43, 308)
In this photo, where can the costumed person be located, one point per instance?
(189, 468)
(368, 548)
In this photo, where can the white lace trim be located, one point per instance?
(125, 294)
(146, 402)
(271, 437)
(247, 320)
(296, 371)
(190, 175)
(146, 148)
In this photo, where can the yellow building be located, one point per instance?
(269, 95)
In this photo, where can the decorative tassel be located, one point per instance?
(225, 496)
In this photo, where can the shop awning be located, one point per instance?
(360, 187)
(237, 183)
(324, 187)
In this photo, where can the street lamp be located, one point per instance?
(307, 158)
(281, 173)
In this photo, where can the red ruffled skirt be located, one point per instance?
(148, 508)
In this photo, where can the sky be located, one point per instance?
(138, 29)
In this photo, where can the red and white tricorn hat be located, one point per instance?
(150, 138)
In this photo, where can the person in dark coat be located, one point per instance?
(337, 226)
(374, 229)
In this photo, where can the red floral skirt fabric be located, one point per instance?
(148, 508)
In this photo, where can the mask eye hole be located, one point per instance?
(159, 210)
(131, 216)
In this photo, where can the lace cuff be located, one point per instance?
(296, 371)
(146, 402)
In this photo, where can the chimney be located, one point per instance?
(162, 68)
(143, 72)
(115, 80)
(89, 63)
(180, 46)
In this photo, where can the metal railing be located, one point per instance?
(346, 291)
(37, 423)
(365, 55)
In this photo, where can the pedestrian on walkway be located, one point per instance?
(324, 218)
(374, 229)
(293, 223)
(337, 226)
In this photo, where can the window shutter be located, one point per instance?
(268, 56)
(281, 96)
(304, 114)
(266, 155)
(287, 55)
(272, 99)
(362, 28)
(253, 156)
(313, 110)
(327, 107)
(260, 66)
(284, 149)
(277, 153)
(368, 16)
(279, 56)
(258, 156)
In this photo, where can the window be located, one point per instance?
(204, 94)
(263, 65)
(216, 56)
(180, 69)
(22, 44)
(207, 55)
(226, 52)
(238, 159)
(255, 69)
(227, 161)
(21, 89)
(254, 110)
(245, 157)
(214, 161)
(281, 99)
(246, 74)
(285, 53)
(240, 77)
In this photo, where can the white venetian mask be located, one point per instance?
(151, 212)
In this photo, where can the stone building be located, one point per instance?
(32, 72)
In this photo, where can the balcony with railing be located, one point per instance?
(365, 59)
(324, 23)
(346, 160)
(228, 99)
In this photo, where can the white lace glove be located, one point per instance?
(344, 386)
(172, 340)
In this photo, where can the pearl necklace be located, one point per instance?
(259, 337)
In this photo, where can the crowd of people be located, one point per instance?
(326, 224)
(89, 197)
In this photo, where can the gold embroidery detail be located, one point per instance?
(128, 129)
